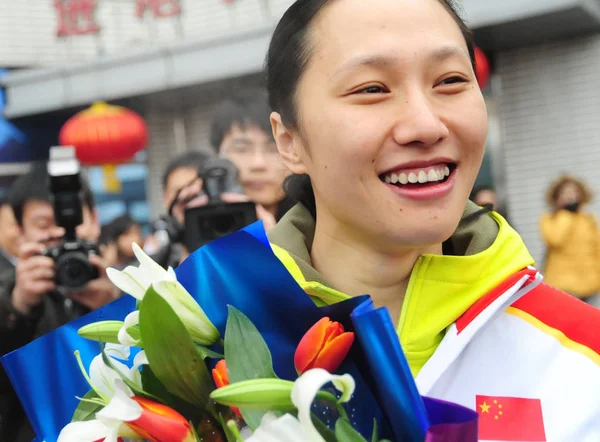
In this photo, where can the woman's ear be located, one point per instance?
(288, 145)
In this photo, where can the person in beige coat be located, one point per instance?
(572, 238)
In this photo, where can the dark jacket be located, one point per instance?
(17, 330)
(6, 264)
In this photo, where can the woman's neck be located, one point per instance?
(357, 267)
(273, 209)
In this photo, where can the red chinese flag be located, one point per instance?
(510, 419)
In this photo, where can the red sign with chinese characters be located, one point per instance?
(158, 8)
(76, 17)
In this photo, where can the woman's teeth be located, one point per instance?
(421, 176)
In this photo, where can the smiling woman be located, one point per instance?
(379, 115)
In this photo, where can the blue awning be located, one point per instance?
(12, 140)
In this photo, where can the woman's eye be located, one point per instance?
(373, 90)
(453, 80)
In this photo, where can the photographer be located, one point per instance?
(9, 239)
(180, 172)
(120, 234)
(241, 132)
(31, 303)
(164, 242)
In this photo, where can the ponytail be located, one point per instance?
(299, 189)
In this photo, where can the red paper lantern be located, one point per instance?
(105, 135)
(483, 68)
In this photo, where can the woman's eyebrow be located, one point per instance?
(384, 61)
(375, 60)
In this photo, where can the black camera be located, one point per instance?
(217, 218)
(73, 268)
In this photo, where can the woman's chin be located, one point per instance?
(422, 234)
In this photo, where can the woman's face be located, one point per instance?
(569, 193)
(388, 98)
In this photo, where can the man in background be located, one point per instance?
(31, 304)
(181, 172)
(241, 132)
(9, 239)
(164, 242)
(119, 235)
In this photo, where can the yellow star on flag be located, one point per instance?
(485, 408)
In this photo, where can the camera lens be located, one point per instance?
(74, 271)
(224, 225)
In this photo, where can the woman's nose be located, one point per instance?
(418, 123)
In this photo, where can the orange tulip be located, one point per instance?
(220, 374)
(325, 345)
(159, 423)
(221, 378)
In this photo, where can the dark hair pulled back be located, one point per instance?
(288, 56)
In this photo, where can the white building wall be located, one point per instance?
(28, 28)
(550, 112)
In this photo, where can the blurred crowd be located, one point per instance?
(33, 304)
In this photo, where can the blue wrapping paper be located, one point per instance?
(391, 373)
(239, 270)
(45, 373)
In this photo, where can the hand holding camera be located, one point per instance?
(210, 207)
(72, 267)
(99, 291)
(34, 277)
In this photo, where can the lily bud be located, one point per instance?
(325, 345)
(257, 394)
(150, 276)
(105, 331)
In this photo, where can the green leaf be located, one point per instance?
(195, 434)
(247, 356)
(106, 331)
(86, 411)
(323, 430)
(153, 386)
(156, 388)
(375, 435)
(208, 353)
(171, 352)
(246, 352)
(345, 433)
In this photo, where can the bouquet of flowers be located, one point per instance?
(227, 348)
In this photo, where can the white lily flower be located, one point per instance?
(117, 351)
(114, 394)
(126, 413)
(290, 429)
(125, 338)
(108, 425)
(139, 360)
(137, 280)
(104, 378)
(88, 431)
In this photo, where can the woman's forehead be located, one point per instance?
(399, 28)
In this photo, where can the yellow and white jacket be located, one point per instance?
(479, 328)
